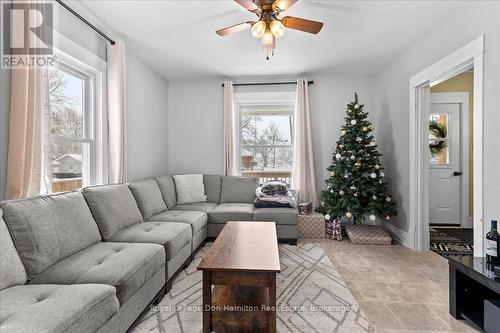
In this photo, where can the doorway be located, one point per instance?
(450, 165)
(457, 198)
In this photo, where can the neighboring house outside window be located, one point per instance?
(266, 140)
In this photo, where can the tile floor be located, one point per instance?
(398, 289)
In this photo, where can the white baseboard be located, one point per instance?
(401, 236)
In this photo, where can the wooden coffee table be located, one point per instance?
(239, 279)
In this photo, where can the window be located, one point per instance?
(75, 106)
(266, 141)
(438, 139)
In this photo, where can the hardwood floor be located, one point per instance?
(398, 289)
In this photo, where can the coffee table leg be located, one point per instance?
(207, 301)
(272, 302)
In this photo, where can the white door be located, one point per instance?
(446, 174)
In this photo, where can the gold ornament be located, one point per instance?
(388, 199)
(365, 129)
(377, 166)
(387, 217)
(348, 214)
(343, 132)
(355, 194)
(357, 164)
(332, 173)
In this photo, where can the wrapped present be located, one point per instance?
(333, 229)
(311, 226)
(305, 208)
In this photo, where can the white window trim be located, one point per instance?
(72, 54)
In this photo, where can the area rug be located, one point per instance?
(446, 245)
(312, 297)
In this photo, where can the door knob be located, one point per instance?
(457, 173)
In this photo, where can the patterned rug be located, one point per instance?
(446, 245)
(312, 297)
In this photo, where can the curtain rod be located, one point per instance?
(266, 83)
(81, 18)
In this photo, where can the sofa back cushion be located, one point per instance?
(148, 196)
(113, 207)
(167, 188)
(189, 188)
(212, 187)
(238, 189)
(12, 271)
(50, 228)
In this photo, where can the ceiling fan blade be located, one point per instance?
(248, 5)
(234, 28)
(297, 23)
(282, 5)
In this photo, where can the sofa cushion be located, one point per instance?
(205, 207)
(212, 187)
(282, 215)
(238, 189)
(48, 229)
(167, 188)
(148, 196)
(189, 188)
(171, 235)
(126, 266)
(113, 207)
(197, 220)
(11, 267)
(57, 308)
(231, 212)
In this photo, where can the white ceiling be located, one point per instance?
(178, 38)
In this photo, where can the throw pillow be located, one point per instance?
(189, 189)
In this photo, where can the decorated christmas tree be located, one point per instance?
(356, 187)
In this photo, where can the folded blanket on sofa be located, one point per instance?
(270, 204)
(276, 191)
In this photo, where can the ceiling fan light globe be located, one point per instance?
(277, 28)
(267, 38)
(258, 29)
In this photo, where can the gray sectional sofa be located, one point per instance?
(93, 260)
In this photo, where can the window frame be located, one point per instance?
(78, 61)
(266, 108)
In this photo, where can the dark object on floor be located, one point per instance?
(368, 234)
(446, 245)
(491, 316)
(269, 204)
(464, 234)
(305, 208)
(471, 283)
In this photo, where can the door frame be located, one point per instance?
(468, 56)
(461, 98)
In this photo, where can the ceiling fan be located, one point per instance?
(269, 26)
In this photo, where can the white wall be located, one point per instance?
(391, 88)
(196, 119)
(147, 120)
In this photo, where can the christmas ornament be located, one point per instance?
(353, 122)
(357, 164)
(387, 217)
(355, 194)
(327, 217)
(348, 214)
(388, 199)
(374, 197)
(353, 157)
(372, 143)
(359, 139)
(373, 175)
(341, 146)
(332, 173)
(372, 217)
(338, 156)
(356, 106)
(331, 191)
(352, 187)
(346, 176)
(377, 166)
(343, 132)
(365, 129)
(341, 192)
(382, 174)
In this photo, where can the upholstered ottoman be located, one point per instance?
(311, 225)
(368, 234)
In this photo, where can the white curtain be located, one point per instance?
(29, 162)
(117, 162)
(303, 177)
(231, 163)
